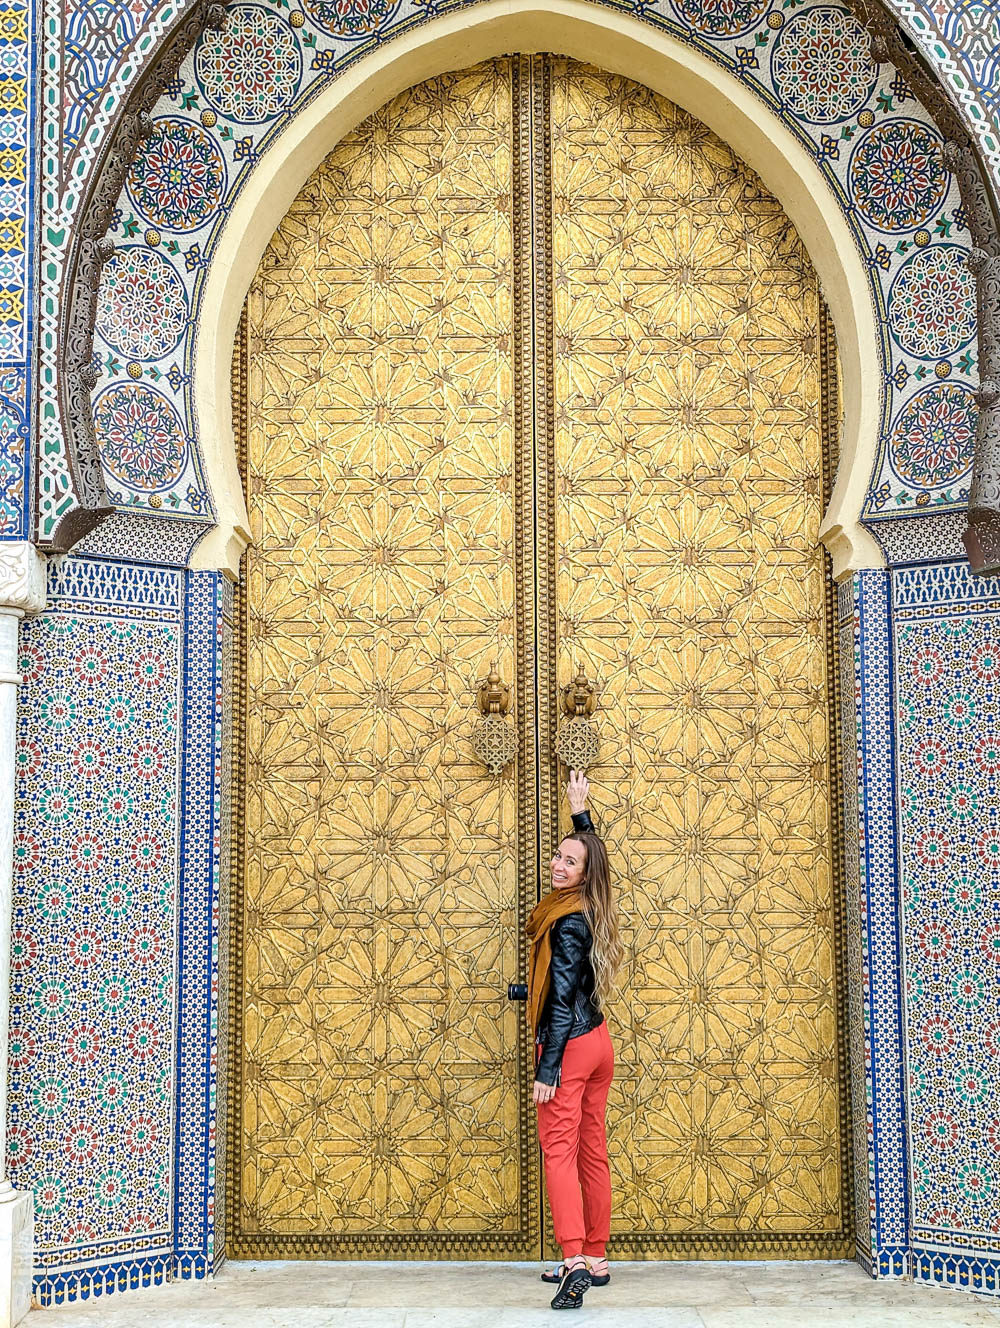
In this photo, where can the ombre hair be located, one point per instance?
(601, 912)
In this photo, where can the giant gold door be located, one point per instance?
(534, 371)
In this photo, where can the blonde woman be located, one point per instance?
(575, 953)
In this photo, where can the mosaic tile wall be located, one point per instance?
(961, 39)
(239, 88)
(91, 1094)
(875, 1012)
(97, 925)
(89, 55)
(92, 54)
(17, 229)
(947, 648)
(202, 924)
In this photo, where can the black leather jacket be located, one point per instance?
(569, 1009)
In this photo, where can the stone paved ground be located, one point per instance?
(491, 1295)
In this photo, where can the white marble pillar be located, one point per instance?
(22, 591)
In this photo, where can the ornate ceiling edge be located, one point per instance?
(89, 251)
(889, 44)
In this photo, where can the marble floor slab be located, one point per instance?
(492, 1295)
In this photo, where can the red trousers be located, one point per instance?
(572, 1132)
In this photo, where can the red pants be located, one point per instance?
(571, 1130)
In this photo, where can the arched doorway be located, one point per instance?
(535, 371)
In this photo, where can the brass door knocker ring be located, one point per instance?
(579, 743)
(493, 739)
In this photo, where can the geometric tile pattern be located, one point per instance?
(874, 143)
(93, 52)
(858, 999)
(17, 229)
(947, 664)
(14, 458)
(874, 945)
(90, 54)
(961, 41)
(198, 1130)
(103, 49)
(91, 1091)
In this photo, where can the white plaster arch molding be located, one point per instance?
(622, 45)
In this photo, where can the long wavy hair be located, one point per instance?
(601, 911)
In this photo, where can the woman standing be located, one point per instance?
(575, 953)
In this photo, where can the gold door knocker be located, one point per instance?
(494, 739)
(578, 743)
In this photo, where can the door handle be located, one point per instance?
(493, 738)
(578, 744)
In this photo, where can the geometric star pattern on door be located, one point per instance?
(386, 875)
(381, 1062)
(692, 584)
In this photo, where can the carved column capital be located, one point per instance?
(22, 578)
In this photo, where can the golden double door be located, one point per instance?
(534, 371)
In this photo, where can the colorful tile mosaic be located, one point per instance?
(13, 451)
(143, 442)
(92, 996)
(961, 40)
(251, 72)
(200, 1134)
(820, 69)
(108, 783)
(947, 664)
(93, 56)
(90, 56)
(17, 230)
(875, 999)
(932, 303)
(142, 311)
(878, 149)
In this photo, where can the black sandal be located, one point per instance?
(557, 1274)
(572, 1290)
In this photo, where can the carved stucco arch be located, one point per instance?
(588, 32)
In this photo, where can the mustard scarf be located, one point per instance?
(556, 904)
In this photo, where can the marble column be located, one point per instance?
(22, 591)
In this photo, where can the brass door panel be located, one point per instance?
(533, 371)
(378, 1065)
(691, 582)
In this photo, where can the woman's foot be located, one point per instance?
(600, 1274)
(575, 1284)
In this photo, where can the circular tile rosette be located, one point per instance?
(820, 66)
(932, 303)
(350, 20)
(141, 440)
(178, 179)
(896, 176)
(721, 18)
(142, 306)
(251, 70)
(932, 439)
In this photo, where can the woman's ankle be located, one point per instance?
(571, 1261)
